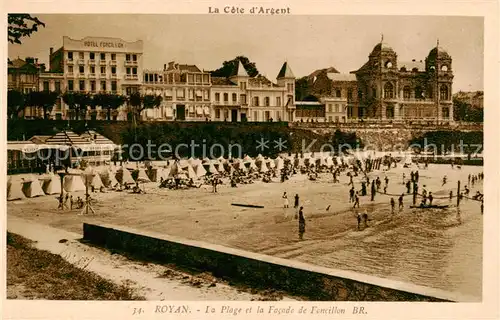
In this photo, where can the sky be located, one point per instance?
(306, 42)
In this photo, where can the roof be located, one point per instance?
(95, 137)
(17, 63)
(239, 71)
(410, 65)
(39, 139)
(381, 47)
(341, 76)
(222, 81)
(66, 138)
(326, 70)
(260, 80)
(285, 72)
(439, 52)
(308, 103)
(189, 68)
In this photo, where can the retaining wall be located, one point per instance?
(257, 270)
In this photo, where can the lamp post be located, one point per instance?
(62, 174)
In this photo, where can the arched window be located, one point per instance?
(388, 91)
(418, 92)
(443, 92)
(406, 92)
(389, 112)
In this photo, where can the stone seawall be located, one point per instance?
(257, 270)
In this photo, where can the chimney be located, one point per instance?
(51, 50)
(176, 66)
(171, 65)
(164, 67)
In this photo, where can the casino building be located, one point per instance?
(94, 65)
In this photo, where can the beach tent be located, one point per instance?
(206, 160)
(271, 164)
(263, 167)
(190, 172)
(73, 183)
(247, 159)
(142, 177)
(14, 189)
(108, 178)
(329, 162)
(280, 163)
(32, 187)
(52, 185)
(124, 176)
(200, 170)
(211, 168)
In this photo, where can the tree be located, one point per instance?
(42, 99)
(15, 103)
(228, 66)
(141, 102)
(77, 102)
(301, 88)
(109, 102)
(22, 25)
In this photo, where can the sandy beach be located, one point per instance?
(435, 248)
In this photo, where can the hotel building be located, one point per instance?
(94, 65)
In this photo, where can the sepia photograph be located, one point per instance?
(236, 157)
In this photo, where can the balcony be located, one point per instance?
(131, 77)
(114, 76)
(130, 63)
(91, 62)
(81, 62)
(102, 62)
(70, 61)
(70, 75)
(112, 63)
(92, 76)
(168, 98)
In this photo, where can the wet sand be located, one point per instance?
(434, 248)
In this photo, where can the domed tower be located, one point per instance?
(438, 65)
(378, 82)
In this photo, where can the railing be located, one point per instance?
(114, 76)
(102, 62)
(70, 61)
(112, 63)
(131, 77)
(168, 98)
(92, 61)
(81, 62)
(92, 75)
(130, 63)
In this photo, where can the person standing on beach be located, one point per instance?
(351, 195)
(285, 200)
(393, 205)
(365, 218)
(373, 191)
(356, 200)
(359, 220)
(302, 224)
(401, 201)
(430, 198)
(296, 203)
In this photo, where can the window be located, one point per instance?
(388, 91)
(418, 92)
(70, 69)
(113, 56)
(113, 70)
(256, 101)
(156, 77)
(45, 86)
(134, 71)
(349, 94)
(336, 118)
(198, 78)
(243, 85)
(180, 93)
(92, 70)
(81, 55)
(205, 78)
(146, 78)
(128, 72)
(226, 97)
(406, 92)
(217, 97)
(150, 76)
(443, 92)
(127, 57)
(445, 112)
(235, 97)
(267, 101)
(113, 86)
(103, 56)
(191, 94)
(290, 87)
(338, 93)
(255, 116)
(243, 98)
(330, 118)
(431, 93)
(134, 57)
(103, 85)
(217, 113)
(70, 85)
(82, 85)
(92, 56)
(103, 70)
(92, 86)
(206, 95)
(81, 69)
(57, 86)
(70, 56)
(278, 101)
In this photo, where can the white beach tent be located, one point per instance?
(200, 170)
(247, 159)
(32, 187)
(96, 182)
(263, 167)
(279, 163)
(211, 168)
(14, 189)
(142, 177)
(108, 178)
(52, 185)
(73, 183)
(124, 176)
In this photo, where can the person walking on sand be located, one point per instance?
(356, 201)
(444, 180)
(401, 201)
(430, 198)
(359, 220)
(351, 195)
(365, 219)
(393, 205)
(302, 224)
(285, 200)
(296, 203)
